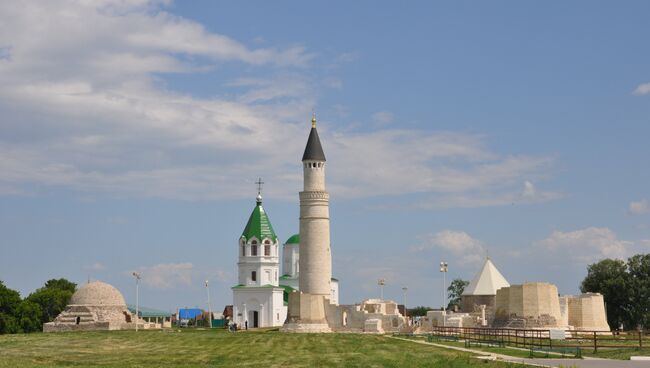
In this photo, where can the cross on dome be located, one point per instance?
(259, 183)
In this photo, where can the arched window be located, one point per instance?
(267, 249)
(254, 249)
(254, 276)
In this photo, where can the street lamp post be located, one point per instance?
(137, 298)
(443, 269)
(209, 305)
(404, 289)
(381, 283)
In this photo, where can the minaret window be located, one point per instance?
(254, 276)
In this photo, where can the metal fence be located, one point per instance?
(538, 339)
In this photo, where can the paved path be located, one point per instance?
(578, 363)
(589, 363)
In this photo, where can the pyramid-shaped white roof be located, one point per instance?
(487, 281)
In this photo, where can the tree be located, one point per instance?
(610, 278)
(62, 284)
(419, 311)
(28, 316)
(639, 290)
(52, 298)
(454, 291)
(9, 301)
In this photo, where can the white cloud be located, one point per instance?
(84, 108)
(383, 118)
(507, 195)
(642, 89)
(458, 243)
(334, 83)
(167, 275)
(587, 245)
(639, 207)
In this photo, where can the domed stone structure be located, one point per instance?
(97, 293)
(94, 306)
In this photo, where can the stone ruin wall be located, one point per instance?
(352, 318)
(530, 305)
(587, 312)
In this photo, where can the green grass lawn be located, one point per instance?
(212, 348)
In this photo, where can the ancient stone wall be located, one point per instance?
(470, 303)
(534, 304)
(587, 312)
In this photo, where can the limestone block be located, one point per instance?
(587, 312)
(373, 326)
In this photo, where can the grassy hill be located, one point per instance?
(218, 348)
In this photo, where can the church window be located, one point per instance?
(253, 250)
(267, 250)
(254, 276)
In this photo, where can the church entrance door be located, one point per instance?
(255, 319)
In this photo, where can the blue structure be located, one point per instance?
(189, 313)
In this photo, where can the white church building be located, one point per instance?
(258, 298)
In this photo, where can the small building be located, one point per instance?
(159, 318)
(258, 297)
(482, 290)
(188, 316)
(95, 306)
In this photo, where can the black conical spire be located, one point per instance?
(313, 150)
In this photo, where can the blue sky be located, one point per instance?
(132, 133)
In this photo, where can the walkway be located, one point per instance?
(538, 362)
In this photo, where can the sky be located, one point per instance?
(132, 132)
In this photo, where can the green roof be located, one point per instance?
(294, 239)
(148, 312)
(240, 286)
(259, 225)
(285, 294)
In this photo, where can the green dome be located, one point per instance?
(259, 225)
(294, 239)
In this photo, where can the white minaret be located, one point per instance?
(315, 254)
(308, 307)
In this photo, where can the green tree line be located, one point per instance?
(626, 289)
(43, 305)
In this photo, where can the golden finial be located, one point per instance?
(313, 119)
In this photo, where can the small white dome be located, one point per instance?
(97, 293)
